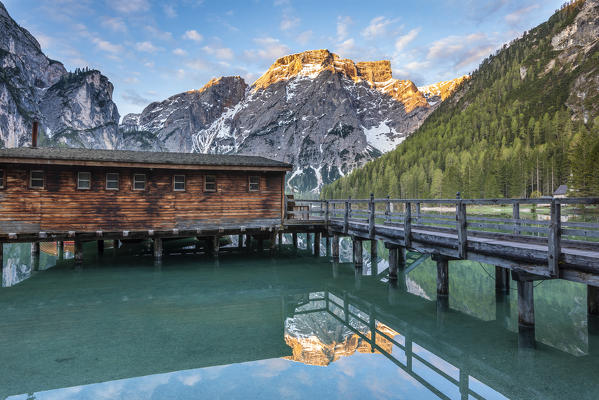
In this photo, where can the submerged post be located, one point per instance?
(502, 280)
(248, 242)
(442, 276)
(35, 248)
(157, 248)
(100, 247)
(78, 252)
(294, 239)
(373, 253)
(335, 247)
(357, 248)
(317, 244)
(393, 262)
(526, 309)
(240, 241)
(327, 244)
(215, 245)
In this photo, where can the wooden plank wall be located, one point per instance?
(60, 206)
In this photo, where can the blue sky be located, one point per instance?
(151, 49)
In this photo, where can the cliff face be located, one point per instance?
(77, 108)
(324, 114)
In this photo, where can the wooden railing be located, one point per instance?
(538, 221)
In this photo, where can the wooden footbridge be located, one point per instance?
(535, 240)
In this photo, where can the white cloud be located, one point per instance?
(193, 35)
(179, 52)
(135, 98)
(107, 46)
(180, 73)
(197, 64)
(270, 49)
(147, 47)
(516, 17)
(169, 10)
(115, 24)
(129, 6)
(346, 47)
(219, 52)
(158, 34)
(149, 64)
(289, 22)
(377, 27)
(461, 51)
(404, 40)
(343, 24)
(304, 37)
(131, 79)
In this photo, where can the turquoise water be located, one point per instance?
(291, 325)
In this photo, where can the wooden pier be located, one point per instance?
(547, 247)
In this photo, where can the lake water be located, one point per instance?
(292, 325)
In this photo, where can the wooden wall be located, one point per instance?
(60, 206)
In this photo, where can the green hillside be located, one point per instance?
(526, 122)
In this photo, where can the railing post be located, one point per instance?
(554, 239)
(346, 217)
(407, 226)
(371, 216)
(349, 214)
(388, 211)
(461, 227)
(516, 215)
(326, 213)
(417, 213)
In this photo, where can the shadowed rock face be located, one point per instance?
(78, 108)
(323, 114)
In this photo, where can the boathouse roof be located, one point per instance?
(149, 159)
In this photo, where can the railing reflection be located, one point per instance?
(321, 327)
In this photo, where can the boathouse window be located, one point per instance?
(36, 179)
(139, 181)
(112, 181)
(179, 183)
(1, 179)
(84, 180)
(254, 183)
(210, 183)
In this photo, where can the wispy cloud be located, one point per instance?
(135, 98)
(179, 52)
(269, 49)
(289, 22)
(129, 6)
(198, 64)
(377, 27)
(517, 16)
(461, 51)
(147, 47)
(193, 35)
(106, 46)
(223, 53)
(406, 39)
(304, 37)
(115, 24)
(169, 10)
(343, 25)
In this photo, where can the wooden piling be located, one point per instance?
(1, 260)
(100, 247)
(357, 248)
(373, 253)
(593, 300)
(502, 280)
(78, 252)
(294, 239)
(248, 243)
(240, 241)
(157, 248)
(393, 256)
(442, 276)
(526, 308)
(308, 240)
(35, 248)
(317, 244)
(272, 242)
(280, 237)
(327, 243)
(215, 245)
(260, 243)
(335, 247)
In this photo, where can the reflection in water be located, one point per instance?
(261, 327)
(20, 264)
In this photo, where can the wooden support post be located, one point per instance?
(240, 241)
(357, 248)
(401, 258)
(248, 242)
(308, 241)
(294, 239)
(374, 253)
(516, 216)
(35, 248)
(260, 243)
(280, 238)
(461, 227)
(346, 217)
(335, 247)
(407, 226)
(326, 213)
(593, 300)
(215, 245)
(350, 208)
(272, 241)
(1, 261)
(393, 264)
(317, 244)
(388, 211)
(442, 276)
(157, 248)
(100, 246)
(371, 211)
(417, 213)
(78, 252)
(502, 280)
(554, 239)
(60, 249)
(526, 306)
(327, 243)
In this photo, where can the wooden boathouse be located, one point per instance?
(49, 194)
